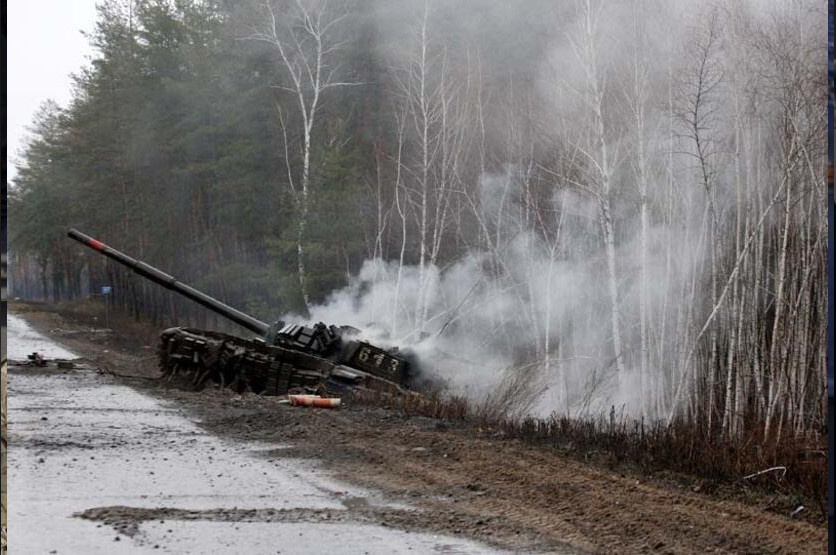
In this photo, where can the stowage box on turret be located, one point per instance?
(283, 358)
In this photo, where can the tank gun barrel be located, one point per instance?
(171, 283)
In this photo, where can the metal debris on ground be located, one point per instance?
(35, 359)
(313, 401)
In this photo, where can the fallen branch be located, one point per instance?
(783, 469)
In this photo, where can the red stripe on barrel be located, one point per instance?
(98, 245)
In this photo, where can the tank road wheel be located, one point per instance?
(173, 372)
(164, 350)
(271, 384)
(247, 380)
(229, 374)
(235, 384)
(201, 377)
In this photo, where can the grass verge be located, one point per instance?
(781, 477)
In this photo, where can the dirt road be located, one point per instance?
(98, 467)
(415, 475)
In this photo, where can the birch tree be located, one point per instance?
(637, 100)
(436, 121)
(305, 37)
(600, 157)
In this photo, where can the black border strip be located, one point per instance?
(831, 224)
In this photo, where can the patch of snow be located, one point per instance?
(22, 340)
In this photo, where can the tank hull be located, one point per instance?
(199, 358)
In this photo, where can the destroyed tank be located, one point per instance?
(283, 358)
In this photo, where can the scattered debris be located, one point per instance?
(783, 470)
(35, 359)
(313, 401)
(85, 331)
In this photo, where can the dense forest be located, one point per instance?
(575, 204)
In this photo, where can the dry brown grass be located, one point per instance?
(683, 451)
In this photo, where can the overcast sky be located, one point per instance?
(45, 46)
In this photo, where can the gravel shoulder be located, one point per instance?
(465, 482)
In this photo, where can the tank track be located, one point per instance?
(200, 357)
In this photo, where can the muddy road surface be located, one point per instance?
(98, 467)
(107, 463)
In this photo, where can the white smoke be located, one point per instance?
(523, 310)
(530, 303)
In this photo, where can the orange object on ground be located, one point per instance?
(313, 401)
